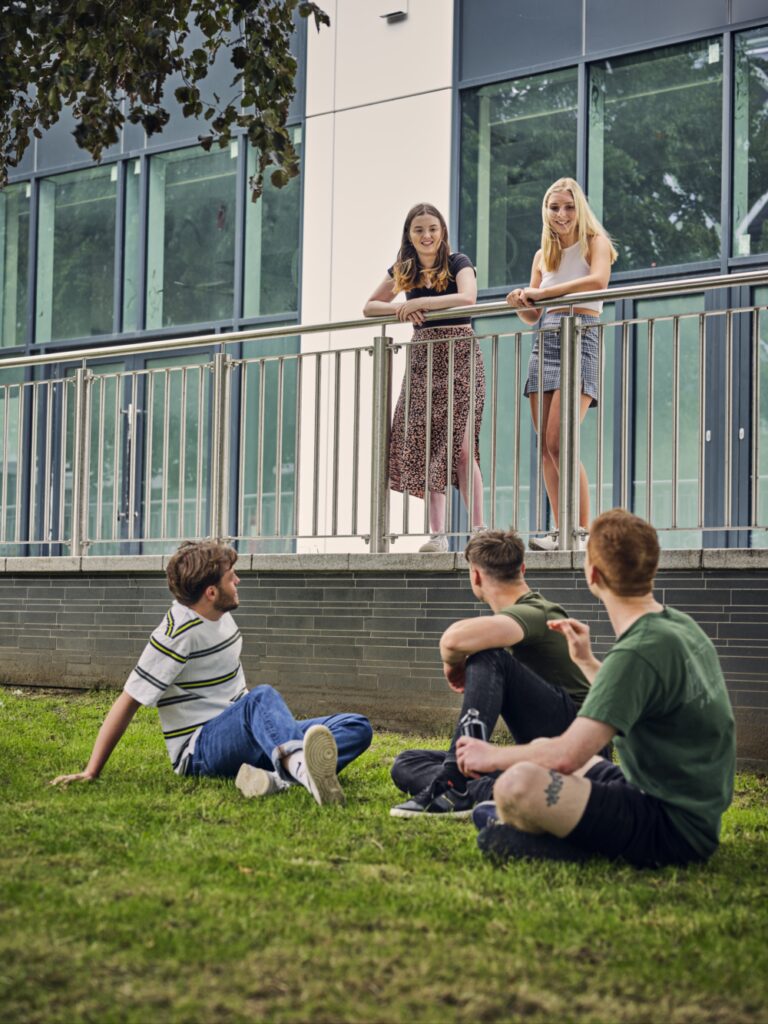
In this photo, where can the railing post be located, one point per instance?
(570, 401)
(380, 429)
(80, 462)
(220, 438)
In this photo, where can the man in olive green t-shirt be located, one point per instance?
(508, 665)
(660, 692)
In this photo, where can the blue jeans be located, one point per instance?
(259, 729)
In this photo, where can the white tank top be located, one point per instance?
(572, 265)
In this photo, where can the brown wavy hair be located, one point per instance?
(195, 566)
(407, 272)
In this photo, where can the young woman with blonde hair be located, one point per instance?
(576, 255)
(433, 278)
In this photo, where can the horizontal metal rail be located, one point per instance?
(275, 450)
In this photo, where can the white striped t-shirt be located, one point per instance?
(190, 671)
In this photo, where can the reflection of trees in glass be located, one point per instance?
(76, 254)
(750, 170)
(655, 153)
(191, 238)
(517, 138)
(272, 247)
(14, 253)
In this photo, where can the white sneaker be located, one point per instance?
(253, 781)
(436, 542)
(478, 529)
(581, 540)
(320, 759)
(549, 542)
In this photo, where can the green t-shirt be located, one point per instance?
(543, 651)
(662, 688)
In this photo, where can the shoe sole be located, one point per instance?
(399, 812)
(320, 760)
(252, 781)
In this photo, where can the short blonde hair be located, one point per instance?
(587, 225)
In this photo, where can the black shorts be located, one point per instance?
(620, 821)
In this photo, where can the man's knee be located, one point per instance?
(363, 730)
(493, 657)
(262, 692)
(514, 790)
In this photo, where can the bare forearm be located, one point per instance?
(377, 307)
(112, 729)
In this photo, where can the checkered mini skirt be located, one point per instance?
(550, 333)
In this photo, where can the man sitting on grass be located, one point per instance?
(190, 670)
(660, 692)
(507, 664)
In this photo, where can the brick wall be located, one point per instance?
(357, 632)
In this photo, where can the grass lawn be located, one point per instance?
(148, 898)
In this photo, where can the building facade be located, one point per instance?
(659, 110)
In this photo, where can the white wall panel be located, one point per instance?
(371, 61)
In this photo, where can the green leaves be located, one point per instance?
(97, 56)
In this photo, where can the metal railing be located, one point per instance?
(291, 448)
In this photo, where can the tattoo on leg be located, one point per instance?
(552, 791)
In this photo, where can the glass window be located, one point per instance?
(267, 500)
(272, 245)
(12, 396)
(76, 254)
(191, 236)
(175, 498)
(131, 247)
(655, 137)
(655, 402)
(516, 139)
(760, 537)
(14, 252)
(750, 137)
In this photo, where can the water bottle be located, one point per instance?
(470, 724)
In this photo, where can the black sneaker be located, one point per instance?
(438, 798)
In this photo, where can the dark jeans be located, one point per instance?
(498, 685)
(259, 728)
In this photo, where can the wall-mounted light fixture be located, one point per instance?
(398, 14)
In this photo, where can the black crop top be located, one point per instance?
(456, 261)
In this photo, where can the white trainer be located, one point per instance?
(549, 542)
(253, 781)
(581, 540)
(436, 542)
(320, 760)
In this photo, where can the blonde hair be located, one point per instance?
(587, 225)
(407, 272)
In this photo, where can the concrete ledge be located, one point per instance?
(708, 558)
